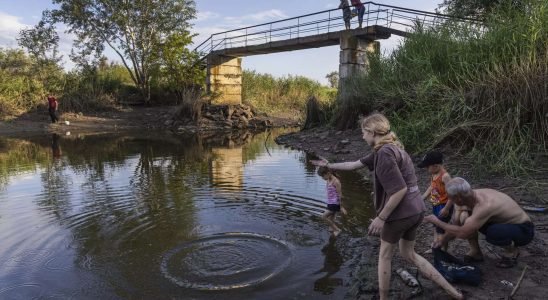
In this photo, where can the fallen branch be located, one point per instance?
(519, 282)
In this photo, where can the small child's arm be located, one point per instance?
(427, 193)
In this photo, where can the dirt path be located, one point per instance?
(339, 146)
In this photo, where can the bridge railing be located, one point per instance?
(393, 17)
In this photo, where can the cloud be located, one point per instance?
(272, 14)
(206, 15)
(229, 23)
(9, 29)
(9, 32)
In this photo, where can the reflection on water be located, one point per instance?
(332, 264)
(227, 169)
(162, 216)
(55, 149)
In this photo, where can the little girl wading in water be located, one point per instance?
(334, 198)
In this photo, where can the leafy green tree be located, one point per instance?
(41, 43)
(333, 79)
(178, 67)
(135, 30)
(477, 8)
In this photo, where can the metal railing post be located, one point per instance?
(329, 22)
(318, 28)
(368, 13)
(298, 26)
(270, 31)
(246, 37)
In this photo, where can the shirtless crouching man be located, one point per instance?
(492, 213)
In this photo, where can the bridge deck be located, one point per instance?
(307, 42)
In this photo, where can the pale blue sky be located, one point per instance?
(215, 16)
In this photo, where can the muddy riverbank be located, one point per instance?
(131, 118)
(337, 146)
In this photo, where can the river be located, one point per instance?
(158, 216)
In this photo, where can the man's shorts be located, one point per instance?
(504, 234)
(405, 228)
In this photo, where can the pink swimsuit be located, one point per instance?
(332, 195)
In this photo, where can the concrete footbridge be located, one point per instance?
(222, 52)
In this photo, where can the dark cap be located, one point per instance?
(431, 158)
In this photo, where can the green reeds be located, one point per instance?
(285, 94)
(484, 92)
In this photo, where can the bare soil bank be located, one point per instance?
(130, 118)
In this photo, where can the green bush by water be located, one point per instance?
(24, 85)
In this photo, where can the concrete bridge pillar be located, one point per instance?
(224, 77)
(353, 55)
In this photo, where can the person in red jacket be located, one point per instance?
(360, 8)
(52, 108)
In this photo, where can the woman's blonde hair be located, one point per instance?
(379, 125)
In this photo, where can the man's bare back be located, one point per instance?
(495, 207)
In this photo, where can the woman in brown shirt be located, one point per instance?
(398, 201)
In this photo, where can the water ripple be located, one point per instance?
(226, 261)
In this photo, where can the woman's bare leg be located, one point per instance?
(407, 250)
(385, 268)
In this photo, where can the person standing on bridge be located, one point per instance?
(360, 8)
(347, 14)
(398, 201)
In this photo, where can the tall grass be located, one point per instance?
(482, 91)
(285, 94)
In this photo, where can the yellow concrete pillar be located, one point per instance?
(224, 78)
(353, 55)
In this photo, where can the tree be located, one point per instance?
(178, 64)
(41, 43)
(135, 30)
(476, 8)
(333, 79)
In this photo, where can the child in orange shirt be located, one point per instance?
(442, 207)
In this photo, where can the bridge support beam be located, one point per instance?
(224, 79)
(353, 55)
